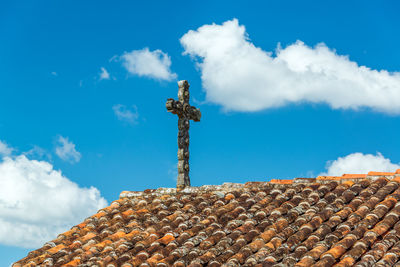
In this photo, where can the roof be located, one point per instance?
(353, 221)
(382, 173)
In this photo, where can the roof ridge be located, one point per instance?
(228, 186)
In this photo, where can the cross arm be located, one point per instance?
(183, 109)
(192, 112)
(173, 106)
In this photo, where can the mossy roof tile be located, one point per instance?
(329, 220)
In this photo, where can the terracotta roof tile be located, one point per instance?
(278, 181)
(331, 220)
(329, 178)
(381, 173)
(361, 176)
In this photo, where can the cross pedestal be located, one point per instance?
(185, 113)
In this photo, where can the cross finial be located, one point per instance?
(185, 112)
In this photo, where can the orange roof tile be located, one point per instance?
(343, 221)
(381, 173)
(55, 249)
(329, 177)
(279, 181)
(354, 176)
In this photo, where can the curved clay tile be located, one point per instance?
(372, 173)
(349, 220)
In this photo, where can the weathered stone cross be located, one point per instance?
(185, 113)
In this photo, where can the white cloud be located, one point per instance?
(242, 77)
(126, 114)
(154, 64)
(66, 150)
(37, 153)
(37, 202)
(5, 150)
(359, 163)
(104, 75)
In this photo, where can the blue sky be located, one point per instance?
(83, 88)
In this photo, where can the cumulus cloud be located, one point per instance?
(242, 77)
(5, 150)
(104, 75)
(66, 150)
(37, 202)
(359, 163)
(125, 113)
(154, 64)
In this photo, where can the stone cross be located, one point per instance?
(185, 112)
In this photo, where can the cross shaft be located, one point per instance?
(185, 113)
